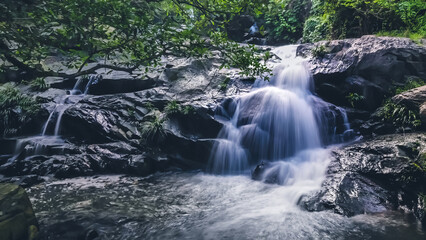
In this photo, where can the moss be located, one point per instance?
(319, 51)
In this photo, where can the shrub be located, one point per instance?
(353, 98)
(188, 110)
(224, 85)
(319, 51)
(152, 129)
(172, 107)
(284, 20)
(399, 115)
(412, 82)
(316, 28)
(16, 109)
(39, 84)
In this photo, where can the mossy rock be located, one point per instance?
(17, 219)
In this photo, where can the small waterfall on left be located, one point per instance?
(50, 133)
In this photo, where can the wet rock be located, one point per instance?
(373, 176)
(17, 219)
(114, 86)
(23, 181)
(239, 26)
(413, 98)
(368, 66)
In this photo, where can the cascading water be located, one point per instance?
(282, 126)
(50, 133)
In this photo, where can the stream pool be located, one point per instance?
(195, 205)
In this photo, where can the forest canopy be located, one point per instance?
(126, 35)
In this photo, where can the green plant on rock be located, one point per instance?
(149, 106)
(399, 115)
(224, 84)
(319, 51)
(188, 109)
(353, 98)
(16, 109)
(422, 198)
(421, 162)
(412, 82)
(39, 84)
(131, 111)
(172, 107)
(152, 129)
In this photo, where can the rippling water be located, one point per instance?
(183, 205)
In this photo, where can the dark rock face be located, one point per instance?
(368, 66)
(83, 160)
(239, 26)
(374, 176)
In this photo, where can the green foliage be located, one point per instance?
(422, 197)
(416, 37)
(131, 111)
(119, 35)
(149, 106)
(247, 58)
(353, 98)
(16, 109)
(39, 84)
(421, 162)
(284, 20)
(399, 115)
(316, 28)
(173, 107)
(319, 51)
(224, 85)
(188, 109)
(152, 129)
(411, 83)
(353, 18)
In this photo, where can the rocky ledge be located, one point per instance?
(385, 173)
(369, 66)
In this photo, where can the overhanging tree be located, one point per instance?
(122, 35)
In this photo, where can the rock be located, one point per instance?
(239, 26)
(117, 157)
(7, 146)
(17, 219)
(368, 66)
(422, 112)
(413, 99)
(373, 176)
(115, 86)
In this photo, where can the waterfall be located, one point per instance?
(50, 133)
(281, 125)
(65, 102)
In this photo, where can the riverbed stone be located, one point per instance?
(381, 62)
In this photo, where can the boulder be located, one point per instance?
(374, 176)
(239, 26)
(369, 66)
(17, 219)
